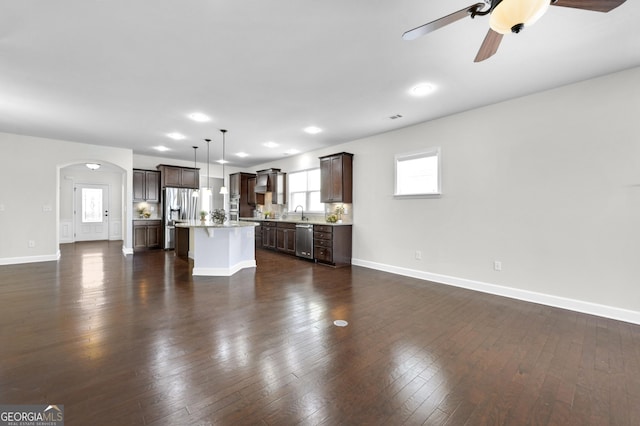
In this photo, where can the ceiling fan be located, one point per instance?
(507, 16)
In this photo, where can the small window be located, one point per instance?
(304, 190)
(418, 174)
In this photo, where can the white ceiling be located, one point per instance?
(124, 73)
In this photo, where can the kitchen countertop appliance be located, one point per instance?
(304, 240)
(179, 205)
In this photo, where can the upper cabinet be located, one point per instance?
(241, 185)
(242, 188)
(146, 185)
(279, 193)
(336, 178)
(235, 185)
(251, 191)
(179, 177)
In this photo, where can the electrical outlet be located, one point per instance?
(1, 207)
(497, 265)
(418, 255)
(31, 244)
(47, 208)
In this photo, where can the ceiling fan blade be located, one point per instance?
(489, 46)
(594, 5)
(439, 23)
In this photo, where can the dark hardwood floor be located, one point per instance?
(137, 340)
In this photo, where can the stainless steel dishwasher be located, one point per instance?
(304, 240)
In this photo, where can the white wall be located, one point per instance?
(548, 184)
(29, 186)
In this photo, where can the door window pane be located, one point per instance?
(91, 205)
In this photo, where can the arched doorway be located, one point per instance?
(91, 203)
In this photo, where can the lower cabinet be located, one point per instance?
(269, 235)
(286, 237)
(146, 234)
(259, 236)
(182, 242)
(332, 244)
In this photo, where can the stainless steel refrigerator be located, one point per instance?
(178, 205)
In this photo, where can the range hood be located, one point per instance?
(262, 184)
(263, 181)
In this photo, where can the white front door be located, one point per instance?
(91, 212)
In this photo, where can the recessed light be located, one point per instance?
(199, 117)
(161, 148)
(271, 144)
(93, 166)
(242, 154)
(422, 89)
(312, 130)
(291, 152)
(222, 161)
(176, 136)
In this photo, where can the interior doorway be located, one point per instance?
(91, 212)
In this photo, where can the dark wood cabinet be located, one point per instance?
(182, 242)
(251, 191)
(190, 178)
(179, 177)
(269, 236)
(286, 237)
(146, 234)
(332, 244)
(336, 178)
(235, 183)
(279, 192)
(258, 235)
(146, 185)
(241, 189)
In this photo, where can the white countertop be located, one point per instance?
(310, 222)
(210, 224)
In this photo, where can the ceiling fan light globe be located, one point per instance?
(509, 14)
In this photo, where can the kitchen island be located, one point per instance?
(220, 250)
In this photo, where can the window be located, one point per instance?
(418, 174)
(91, 205)
(304, 190)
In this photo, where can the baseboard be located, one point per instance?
(30, 259)
(514, 293)
(224, 272)
(127, 250)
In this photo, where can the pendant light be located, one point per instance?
(207, 189)
(223, 189)
(195, 192)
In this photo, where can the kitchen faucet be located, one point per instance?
(302, 213)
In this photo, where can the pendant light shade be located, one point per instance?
(195, 193)
(513, 15)
(223, 188)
